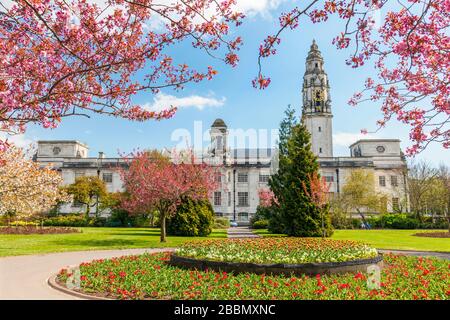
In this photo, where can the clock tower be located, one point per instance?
(316, 112)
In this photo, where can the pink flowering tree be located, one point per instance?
(67, 58)
(267, 198)
(78, 58)
(317, 189)
(156, 183)
(409, 49)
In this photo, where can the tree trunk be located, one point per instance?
(88, 210)
(363, 217)
(163, 226)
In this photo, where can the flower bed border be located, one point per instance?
(352, 266)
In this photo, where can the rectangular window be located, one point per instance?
(395, 204)
(264, 178)
(329, 178)
(243, 199)
(243, 216)
(382, 181)
(218, 177)
(217, 198)
(243, 177)
(394, 181)
(219, 214)
(229, 199)
(108, 177)
(77, 204)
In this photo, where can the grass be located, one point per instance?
(387, 239)
(92, 239)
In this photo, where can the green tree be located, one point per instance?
(299, 214)
(289, 121)
(193, 218)
(89, 191)
(359, 194)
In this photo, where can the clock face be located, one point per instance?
(318, 95)
(381, 149)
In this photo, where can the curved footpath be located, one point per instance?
(25, 277)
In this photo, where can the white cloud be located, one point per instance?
(19, 140)
(164, 101)
(345, 139)
(258, 6)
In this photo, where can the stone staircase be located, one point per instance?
(241, 232)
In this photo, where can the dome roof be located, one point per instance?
(219, 123)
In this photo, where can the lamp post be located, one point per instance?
(99, 166)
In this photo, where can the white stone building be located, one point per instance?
(245, 171)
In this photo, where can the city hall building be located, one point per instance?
(245, 171)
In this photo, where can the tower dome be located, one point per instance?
(219, 123)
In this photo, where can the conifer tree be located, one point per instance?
(297, 212)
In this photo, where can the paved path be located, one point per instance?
(25, 277)
(442, 255)
(241, 232)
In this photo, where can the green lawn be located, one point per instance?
(389, 239)
(122, 238)
(92, 239)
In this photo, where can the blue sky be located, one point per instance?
(231, 97)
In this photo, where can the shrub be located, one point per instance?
(394, 221)
(71, 220)
(260, 224)
(193, 218)
(221, 223)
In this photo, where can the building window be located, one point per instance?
(219, 214)
(395, 204)
(329, 178)
(243, 216)
(108, 177)
(320, 129)
(219, 143)
(218, 177)
(217, 198)
(77, 204)
(382, 181)
(243, 199)
(243, 177)
(320, 150)
(229, 176)
(229, 199)
(264, 178)
(394, 181)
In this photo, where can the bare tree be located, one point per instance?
(444, 176)
(420, 180)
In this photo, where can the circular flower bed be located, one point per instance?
(277, 250)
(37, 230)
(148, 276)
(445, 234)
